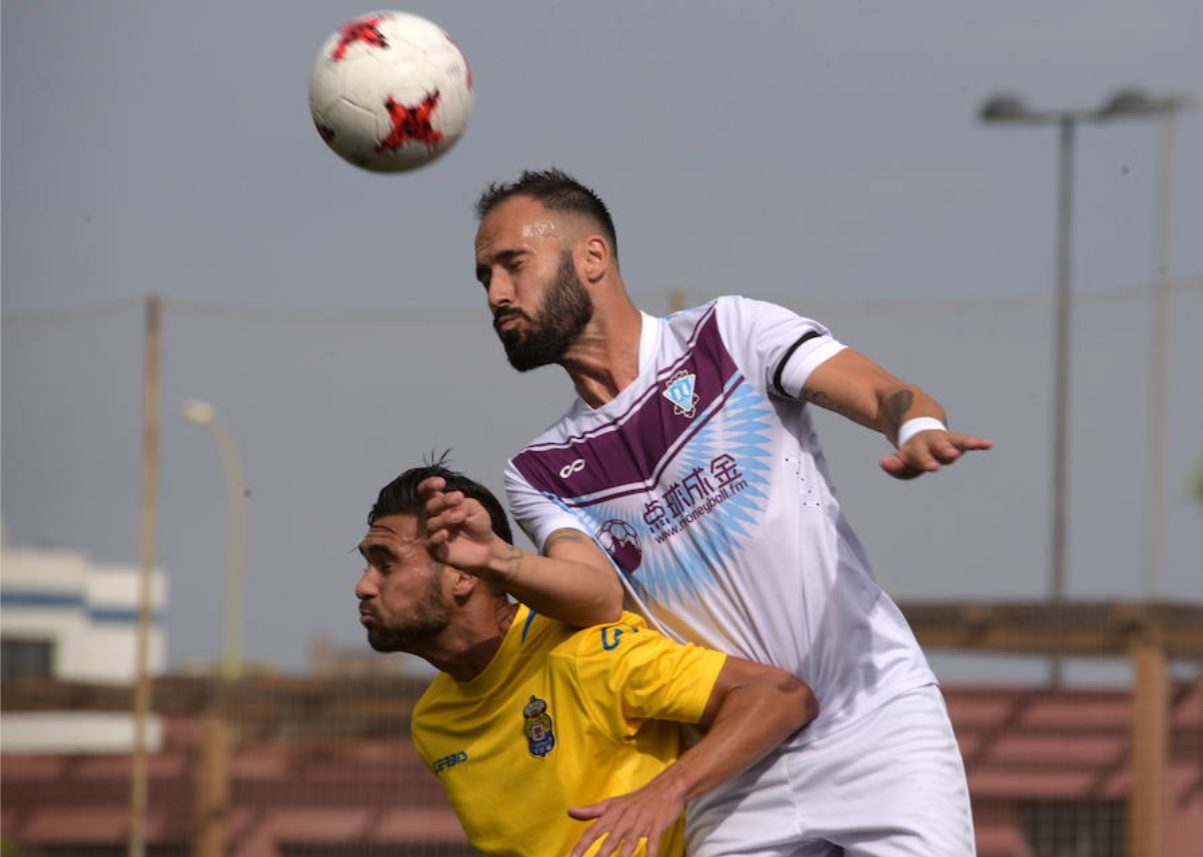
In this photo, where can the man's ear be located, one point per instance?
(462, 583)
(593, 258)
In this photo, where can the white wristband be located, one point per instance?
(910, 428)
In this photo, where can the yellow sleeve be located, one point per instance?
(648, 675)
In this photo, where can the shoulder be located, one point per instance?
(627, 669)
(602, 640)
(537, 632)
(436, 695)
(737, 318)
(740, 309)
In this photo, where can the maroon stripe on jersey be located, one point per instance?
(627, 451)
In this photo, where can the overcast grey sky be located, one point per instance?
(825, 155)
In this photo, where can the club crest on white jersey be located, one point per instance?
(679, 391)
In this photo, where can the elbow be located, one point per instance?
(609, 606)
(790, 700)
(604, 608)
(801, 701)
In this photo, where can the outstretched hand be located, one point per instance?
(458, 528)
(624, 820)
(930, 450)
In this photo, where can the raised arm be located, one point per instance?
(751, 710)
(572, 581)
(851, 384)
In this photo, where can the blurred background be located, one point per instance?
(1003, 205)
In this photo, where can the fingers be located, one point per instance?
(436, 500)
(588, 837)
(943, 450)
(617, 842)
(431, 485)
(443, 511)
(969, 443)
(928, 451)
(584, 813)
(896, 467)
(653, 845)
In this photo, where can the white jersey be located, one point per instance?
(705, 483)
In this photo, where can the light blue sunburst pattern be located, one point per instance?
(707, 501)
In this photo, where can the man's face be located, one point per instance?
(540, 306)
(401, 600)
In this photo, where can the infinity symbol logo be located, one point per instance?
(569, 469)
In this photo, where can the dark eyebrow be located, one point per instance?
(502, 256)
(366, 549)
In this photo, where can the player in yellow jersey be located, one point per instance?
(552, 740)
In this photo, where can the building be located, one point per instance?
(65, 617)
(325, 767)
(279, 766)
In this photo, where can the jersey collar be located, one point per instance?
(649, 341)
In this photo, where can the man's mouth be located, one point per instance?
(504, 321)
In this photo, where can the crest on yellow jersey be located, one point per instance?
(537, 727)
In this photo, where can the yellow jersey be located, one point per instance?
(561, 717)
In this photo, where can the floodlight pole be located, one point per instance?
(1150, 695)
(1162, 269)
(213, 775)
(204, 415)
(148, 518)
(1122, 104)
(1059, 548)
(1008, 108)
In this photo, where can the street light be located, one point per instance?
(204, 415)
(1124, 103)
(1166, 108)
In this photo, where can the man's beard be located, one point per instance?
(563, 314)
(427, 619)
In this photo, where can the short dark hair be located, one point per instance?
(557, 191)
(401, 497)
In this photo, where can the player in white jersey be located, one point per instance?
(690, 459)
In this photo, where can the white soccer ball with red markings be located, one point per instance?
(390, 91)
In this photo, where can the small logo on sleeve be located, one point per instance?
(611, 635)
(537, 727)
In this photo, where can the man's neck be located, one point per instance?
(605, 360)
(465, 650)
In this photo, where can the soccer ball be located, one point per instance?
(390, 91)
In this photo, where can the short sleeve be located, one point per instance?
(536, 513)
(776, 346)
(651, 676)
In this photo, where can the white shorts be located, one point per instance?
(892, 784)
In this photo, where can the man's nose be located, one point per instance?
(366, 587)
(501, 291)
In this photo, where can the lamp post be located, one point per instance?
(213, 773)
(1010, 108)
(1134, 102)
(204, 415)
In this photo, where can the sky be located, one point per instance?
(823, 155)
